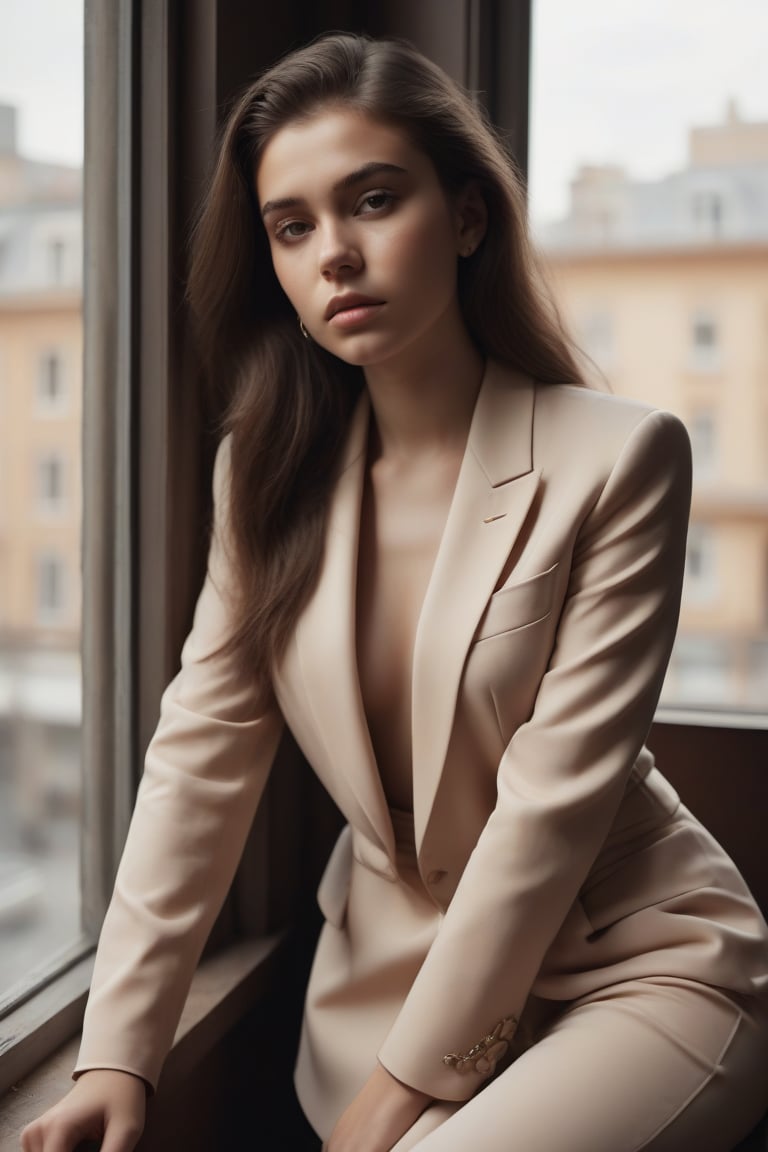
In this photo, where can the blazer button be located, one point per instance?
(436, 876)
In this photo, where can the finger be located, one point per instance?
(39, 1138)
(61, 1138)
(42, 1138)
(30, 1140)
(57, 1135)
(121, 1136)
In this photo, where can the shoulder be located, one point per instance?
(559, 407)
(582, 426)
(568, 433)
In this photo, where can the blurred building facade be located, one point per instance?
(40, 482)
(665, 287)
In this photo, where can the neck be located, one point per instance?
(426, 405)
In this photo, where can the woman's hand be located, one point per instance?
(104, 1105)
(383, 1110)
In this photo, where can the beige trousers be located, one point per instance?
(662, 1065)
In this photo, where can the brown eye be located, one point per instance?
(375, 201)
(291, 230)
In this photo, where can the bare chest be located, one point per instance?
(401, 528)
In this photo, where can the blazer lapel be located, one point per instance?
(494, 491)
(325, 635)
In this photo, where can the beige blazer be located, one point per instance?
(551, 850)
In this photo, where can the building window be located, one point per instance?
(704, 334)
(701, 579)
(51, 383)
(708, 215)
(702, 427)
(50, 484)
(51, 588)
(705, 343)
(57, 252)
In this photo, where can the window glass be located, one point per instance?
(41, 130)
(649, 197)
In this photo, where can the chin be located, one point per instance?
(362, 352)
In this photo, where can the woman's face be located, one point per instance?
(364, 239)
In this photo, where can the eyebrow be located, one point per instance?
(373, 168)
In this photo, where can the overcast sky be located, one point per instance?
(621, 81)
(41, 72)
(614, 81)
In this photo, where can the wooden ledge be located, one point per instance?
(224, 987)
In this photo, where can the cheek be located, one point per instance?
(425, 259)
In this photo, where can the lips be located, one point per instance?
(347, 302)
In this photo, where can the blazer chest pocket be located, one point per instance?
(518, 605)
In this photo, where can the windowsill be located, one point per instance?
(711, 717)
(43, 1021)
(224, 987)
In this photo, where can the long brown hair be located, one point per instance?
(292, 400)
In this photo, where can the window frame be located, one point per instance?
(46, 1014)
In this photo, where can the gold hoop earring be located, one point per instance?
(302, 329)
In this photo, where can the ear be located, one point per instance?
(471, 218)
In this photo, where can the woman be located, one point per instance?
(456, 577)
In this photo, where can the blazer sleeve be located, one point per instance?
(563, 774)
(204, 774)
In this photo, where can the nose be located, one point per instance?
(339, 254)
